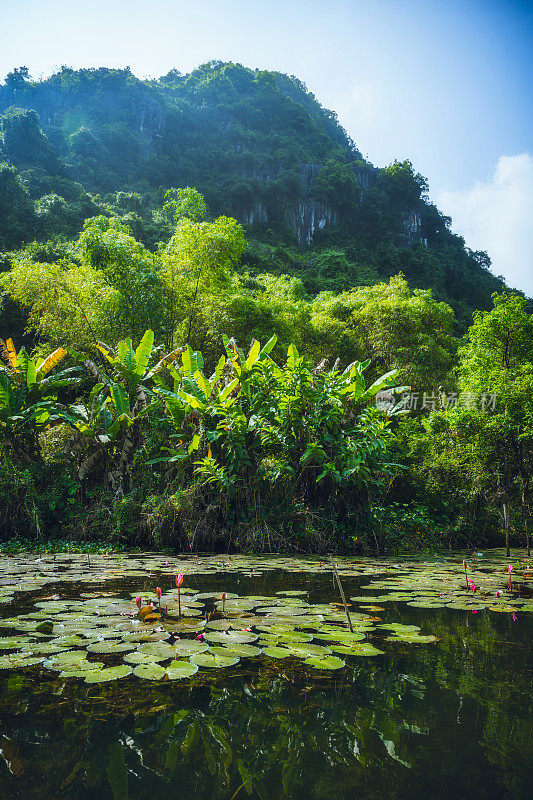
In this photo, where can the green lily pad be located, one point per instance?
(233, 637)
(61, 661)
(150, 672)
(272, 651)
(157, 651)
(177, 670)
(219, 625)
(213, 661)
(111, 648)
(329, 662)
(357, 649)
(241, 650)
(19, 660)
(342, 636)
(108, 674)
(187, 647)
(414, 639)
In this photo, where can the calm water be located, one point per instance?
(451, 720)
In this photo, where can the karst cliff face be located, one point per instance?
(108, 129)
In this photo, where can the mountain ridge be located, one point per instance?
(256, 143)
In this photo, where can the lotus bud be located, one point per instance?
(179, 580)
(138, 602)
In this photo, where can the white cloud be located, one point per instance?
(497, 216)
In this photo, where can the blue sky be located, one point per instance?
(446, 84)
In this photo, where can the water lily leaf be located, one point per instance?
(146, 636)
(273, 651)
(342, 636)
(233, 637)
(414, 639)
(150, 672)
(81, 669)
(219, 625)
(108, 674)
(185, 626)
(357, 649)
(61, 661)
(425, 604)
(177, 670)
(19, 660)
(158, 651)
(241, 650)
(213, 661)
(111, 648)
(306, 650)
(14, 642)
(186, 647)
(329, 662)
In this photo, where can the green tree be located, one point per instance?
(399, 329)
(107, 246)
(197, 266)
(497, 360)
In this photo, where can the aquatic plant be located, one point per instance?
(179, 581)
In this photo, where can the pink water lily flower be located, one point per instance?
(138, 602)
(200, 637)
(158, 593)
(179, 580)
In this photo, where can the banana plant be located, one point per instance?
(205, 410)
(117, 404)
(28, 396)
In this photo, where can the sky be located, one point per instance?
(445, 83)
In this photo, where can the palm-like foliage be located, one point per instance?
(28, 396)
(116, 405)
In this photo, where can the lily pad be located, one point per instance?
(157, 651)
(111, 648)
(329, 662)
(108, 674)
(177, 670)
(150, 672)
(187, 647)
(277, 652)
(357, 649)
(241, 650)
(19, 660)
(213, 661)
(233, 637)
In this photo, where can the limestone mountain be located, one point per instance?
(257, 144)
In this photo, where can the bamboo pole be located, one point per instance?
(341, 590)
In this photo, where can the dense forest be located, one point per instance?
(221, 327)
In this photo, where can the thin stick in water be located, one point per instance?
(341, 590)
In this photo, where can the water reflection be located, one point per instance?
(450, 720)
